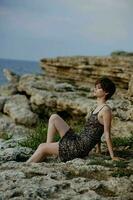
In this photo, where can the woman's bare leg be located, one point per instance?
(98, 148)
(44, 150)
(56, 124)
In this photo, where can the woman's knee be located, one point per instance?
(44, 148)
(53, 117)
(41, 146)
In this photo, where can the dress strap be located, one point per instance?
(100, 109)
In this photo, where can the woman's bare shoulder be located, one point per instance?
(106, 109)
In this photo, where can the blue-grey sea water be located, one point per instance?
(18, 66)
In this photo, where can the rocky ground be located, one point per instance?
(95, 177)
(29, 98)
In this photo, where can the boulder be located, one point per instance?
(9, 129)
(18, 108)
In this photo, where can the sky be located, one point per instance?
(35, 29)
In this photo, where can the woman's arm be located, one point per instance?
(107, 117)
(109, 144)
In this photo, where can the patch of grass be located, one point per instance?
(120, 164)
(77, 125)
(123, 141)
(57, 137)
(101, 162)
(35, 137)
(122, 172)
(4, 135)
(125, 153)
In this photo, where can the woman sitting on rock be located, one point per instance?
(72, 145)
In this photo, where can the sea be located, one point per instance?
(19, 67)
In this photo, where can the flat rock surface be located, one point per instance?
(90, 178)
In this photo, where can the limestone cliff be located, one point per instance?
(86, 69)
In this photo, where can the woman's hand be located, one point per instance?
(117, 158)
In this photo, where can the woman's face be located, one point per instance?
(98, 91)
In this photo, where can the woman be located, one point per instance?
(73, 145)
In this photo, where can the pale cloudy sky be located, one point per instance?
(33, 29)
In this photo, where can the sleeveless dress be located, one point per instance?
(74, 145)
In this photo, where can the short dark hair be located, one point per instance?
(107, 85)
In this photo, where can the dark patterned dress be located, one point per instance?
(73, 145)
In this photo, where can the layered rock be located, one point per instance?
(40, 95)
(84, 70)
(90, 178)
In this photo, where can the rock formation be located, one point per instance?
(65, 88)
(84, 70)
(29, 96)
